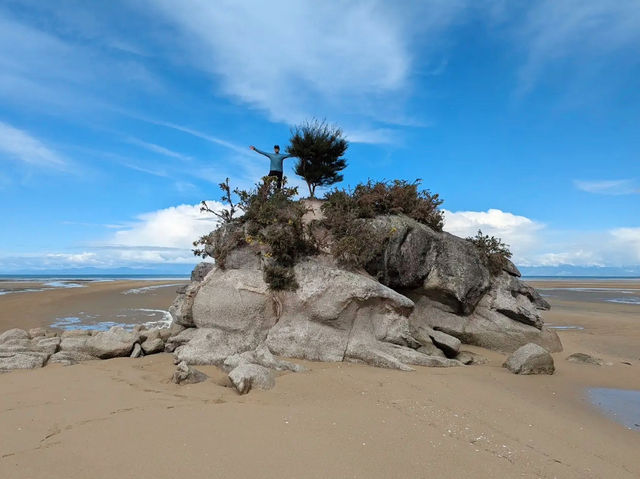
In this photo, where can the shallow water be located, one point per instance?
(598, 295)
(622, 405)
(126, 318)
(565, 328)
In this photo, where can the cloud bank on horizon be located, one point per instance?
(117, 118)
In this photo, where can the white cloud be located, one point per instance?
(290, 58)
(374, 136)
(609, 187)
(535, 244)
(21, 146)
(174, 227)
(519, 232)
(84, 258)
(627, 241)
(156, 238)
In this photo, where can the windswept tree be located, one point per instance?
(319, 148)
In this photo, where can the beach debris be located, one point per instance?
(137, 351)
(184, 374)
(248, 376)
(584, 358)
(530, 359)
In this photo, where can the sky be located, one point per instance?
(117, 118)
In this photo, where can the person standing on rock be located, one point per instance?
(276, 159)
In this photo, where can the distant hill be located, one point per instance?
(591, 271)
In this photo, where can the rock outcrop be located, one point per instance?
(438, 265)
(22, 350)
(335, 315)
(424, 293)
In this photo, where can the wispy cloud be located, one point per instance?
(142, 169)
(198, 134)
(609, 187)
(19, 145)
(574, 30)
(274, 56)
(54, 68)
(158, 149)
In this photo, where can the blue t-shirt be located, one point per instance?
(275, 158)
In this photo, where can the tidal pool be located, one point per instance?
(622, 405)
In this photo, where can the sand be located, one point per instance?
(104, 299)
(123, 418)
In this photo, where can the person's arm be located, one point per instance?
(289, 155)
(259, 151)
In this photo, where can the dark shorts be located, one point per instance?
(277, 174)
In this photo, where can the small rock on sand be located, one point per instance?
(530, 359)
(584, 358)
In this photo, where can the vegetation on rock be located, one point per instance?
(272, 224)
(319, 148)
(495, 253)
(355, 242)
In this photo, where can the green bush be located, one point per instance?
(271, 224)
(495, 253)
(355, 243)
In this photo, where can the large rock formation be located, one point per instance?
(423, 294)
(334, 315)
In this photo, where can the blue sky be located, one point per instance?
(117, 118)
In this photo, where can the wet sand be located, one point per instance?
(99, 301)
(123, 418)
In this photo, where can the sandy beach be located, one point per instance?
(124, 418)
(25, 305)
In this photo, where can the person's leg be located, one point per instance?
(278, 175)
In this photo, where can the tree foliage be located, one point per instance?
(319, 148)
(493, 250)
